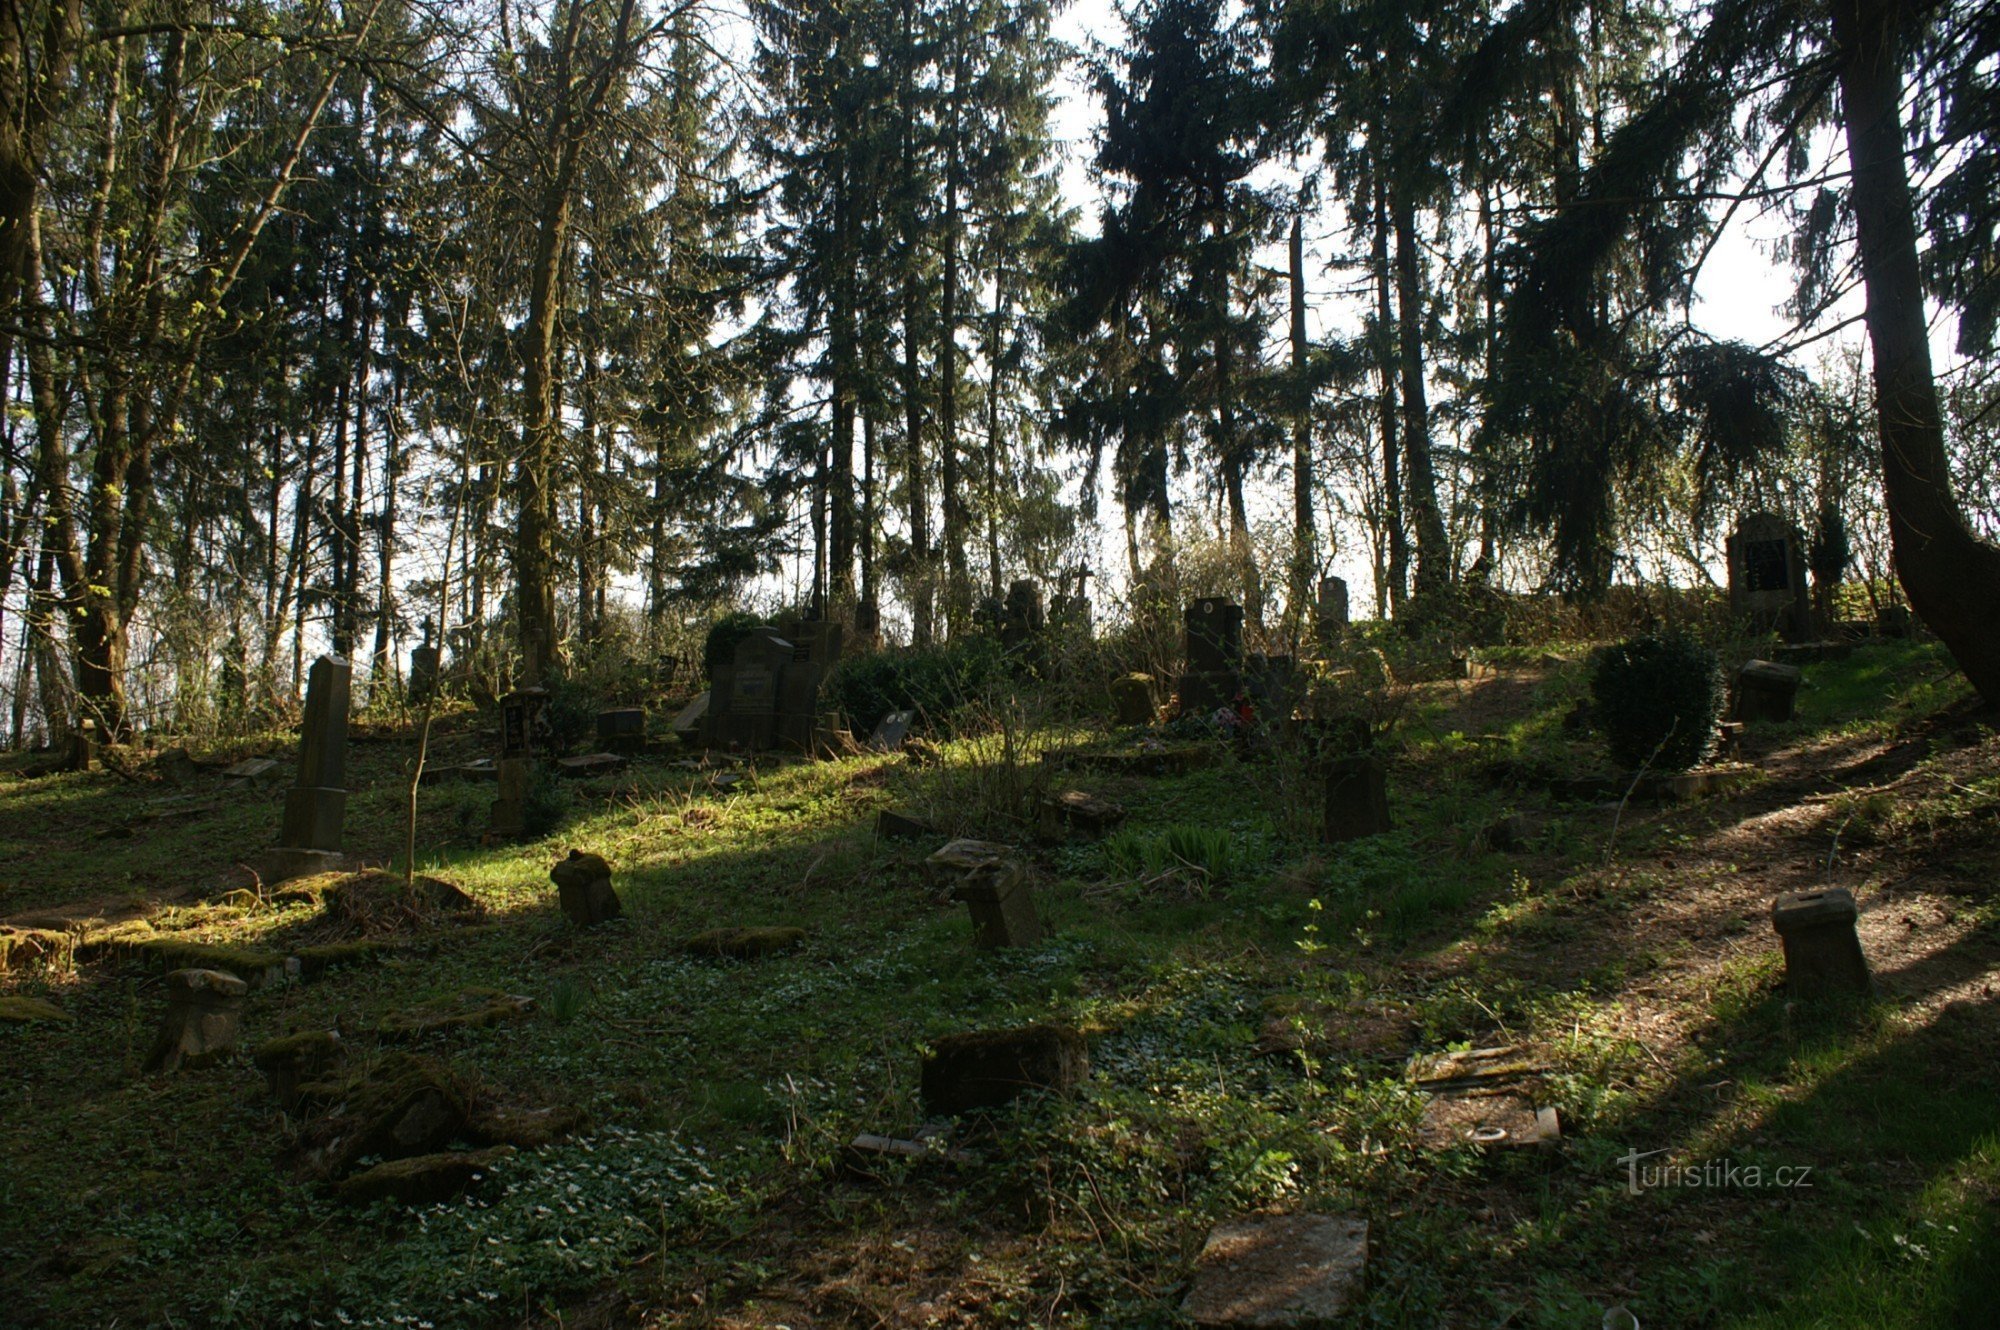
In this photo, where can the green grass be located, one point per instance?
(721, 1093)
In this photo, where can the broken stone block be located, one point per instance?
(254, 772)
(399, 1107)
(1823, 957)
(891, 825)
(1766, 691)
(1003, 908)
(203, 1021)
(989, 1068)
(688, 723)
(1473, 1068)
(622, 730)
(1273, 1271)
(420, 1179)
(957, 858)
(584, 890)
(1357, 798)
(930, 1145)
(296, 1060)
(1085, 814)
(745, 944)
(1132, 699)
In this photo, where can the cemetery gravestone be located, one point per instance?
(1767, 576)
(689, 722)
(1003, 909)
(891, 731)
(425, 662)
(204, 1018)
(521, 722)
(622, 730)
(584, 890)
(316, 805)
(83, 746)
(1278, 1270)
(1823, 957)
(1273, 685)
(1214, 641)
(1022, 620)
(1357, 798)
(1132, 699)
(990, 1068)
(1766, 690)
(1330, 618)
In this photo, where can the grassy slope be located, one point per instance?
(709, 1190)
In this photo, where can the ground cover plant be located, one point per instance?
(1252, 1000)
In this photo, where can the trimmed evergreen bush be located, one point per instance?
(1657, 699)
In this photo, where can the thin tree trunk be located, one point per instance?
(1389, 599)
(1433, 546)
(1305, 539)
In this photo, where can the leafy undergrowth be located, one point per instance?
(1251, 998)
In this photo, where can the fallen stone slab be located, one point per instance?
(1473, 1068)
(745, 943)
(471, 1009)
(1492, 1118)
(891, 825)
(990, 1068)
(934, 1148)
(1078, 812)
(1278, 1272)
(295, 1060)
(420, 1179)
(254, 772)
(957, 858)
(590, 764)
(398, 1107)
(30, 1011)
(524, 1128)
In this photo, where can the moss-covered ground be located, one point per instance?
(1251, 1000)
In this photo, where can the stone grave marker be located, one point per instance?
(1823, 957)
(1022, 621)
(1271, 1271)
(1073, 810)
(1274, 687)
(1132, 699)
(309, 838)
(1767, 576)
(622, 729)
(425, 663)
(990, 1068)
(253, 772)
(1894, 621)
(1214, 642)
(1766, 691)
(1357, 798)
(584, 890)
(744, 713)
(891, 731)
(1330, 613)
(203, 1021)
(1003, 907)
(959, 857)
(85, 747)
(891, 825)
(522, 730)
(687, 724)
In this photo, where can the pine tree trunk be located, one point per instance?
(1433, 546)
(1389, 599)
(1952, 576)
(1305, 542)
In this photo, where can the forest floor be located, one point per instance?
(1251, 1033)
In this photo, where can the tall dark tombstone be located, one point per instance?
(747, 716)
(1767, 576)
(1357, 798)
(1330, 613)
(425, 662)
(1022, 621)
(316, 805)
(1214, 631)
(523, 733)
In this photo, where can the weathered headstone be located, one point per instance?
(1357, 798)
(891, 730)
(1214, 644)
(688, 723)
(1276, 1271)
(990, 1068)
(1767, 576)
(425, 663)
(1003, 907)
(622, 729)
(1766, 691)
(1022, 620)
(85, 742)
(522, 734)
(1073, 810)
(1132, 699)
(748, 715)
(204, 1018)
(583, 889)
(1823, 957)
(309, 839)
(1330, 613)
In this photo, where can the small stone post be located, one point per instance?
(316, 805)
(1822, 952)
(204, 1018)
(1003, 909)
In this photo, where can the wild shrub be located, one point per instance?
(932, 680)
(1657, 699)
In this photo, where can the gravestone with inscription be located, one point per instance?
(1330, 613)
(1214, 639)
(523, 734)
(1767, 576)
